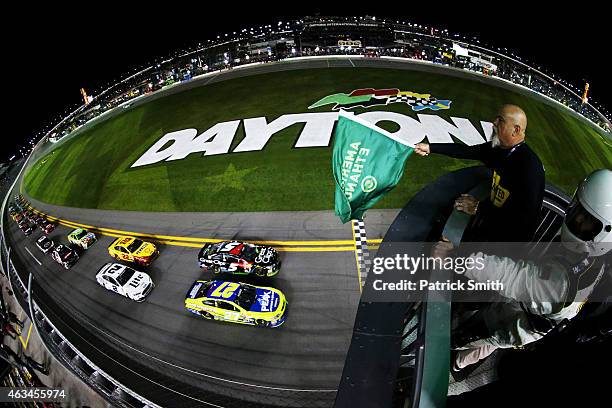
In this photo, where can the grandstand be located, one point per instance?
(313, 36)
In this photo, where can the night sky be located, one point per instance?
(52, 54)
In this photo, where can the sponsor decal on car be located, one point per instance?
(264, 301)
(264, 255)
(135, 282)
(267, 301)
(194, 290)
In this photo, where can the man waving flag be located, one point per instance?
(367, 162)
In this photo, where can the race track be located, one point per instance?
(298, 364)
(203, 362)
(306, 353)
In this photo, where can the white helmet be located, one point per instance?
(587, 226)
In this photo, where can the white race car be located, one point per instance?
(125, 281)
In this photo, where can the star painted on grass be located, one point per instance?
(230, 178)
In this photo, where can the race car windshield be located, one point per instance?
(582, 223)
(216, 247)
(249, 252)
(125, 276)
(65, 253)
(246, 297)
(134, 245)
(81, 234)
(203, 290)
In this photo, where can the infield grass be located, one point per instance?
(92, 169)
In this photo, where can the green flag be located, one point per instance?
(367, 162)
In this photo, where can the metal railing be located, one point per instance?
(60, 347)
(53, 340)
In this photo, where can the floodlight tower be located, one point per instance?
(585, 97)
(86, 99)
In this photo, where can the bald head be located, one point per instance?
(510, 124)
(516, 115)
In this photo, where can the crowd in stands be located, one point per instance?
(313, 36)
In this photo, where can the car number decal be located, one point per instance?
(264, 256)
(225, 290)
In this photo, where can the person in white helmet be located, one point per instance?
(538, 296)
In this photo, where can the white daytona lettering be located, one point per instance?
(317, 132)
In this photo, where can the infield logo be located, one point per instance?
(316, 130)
(368, 97)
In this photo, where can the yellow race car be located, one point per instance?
(237, 302)
(130, 249)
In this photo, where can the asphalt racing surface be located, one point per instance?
(305, 355)
(178, 359)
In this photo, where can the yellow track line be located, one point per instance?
(282, 246)
(199, 245)
(25, 344)
(28, 338)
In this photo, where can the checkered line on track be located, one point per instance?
(361, 248)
